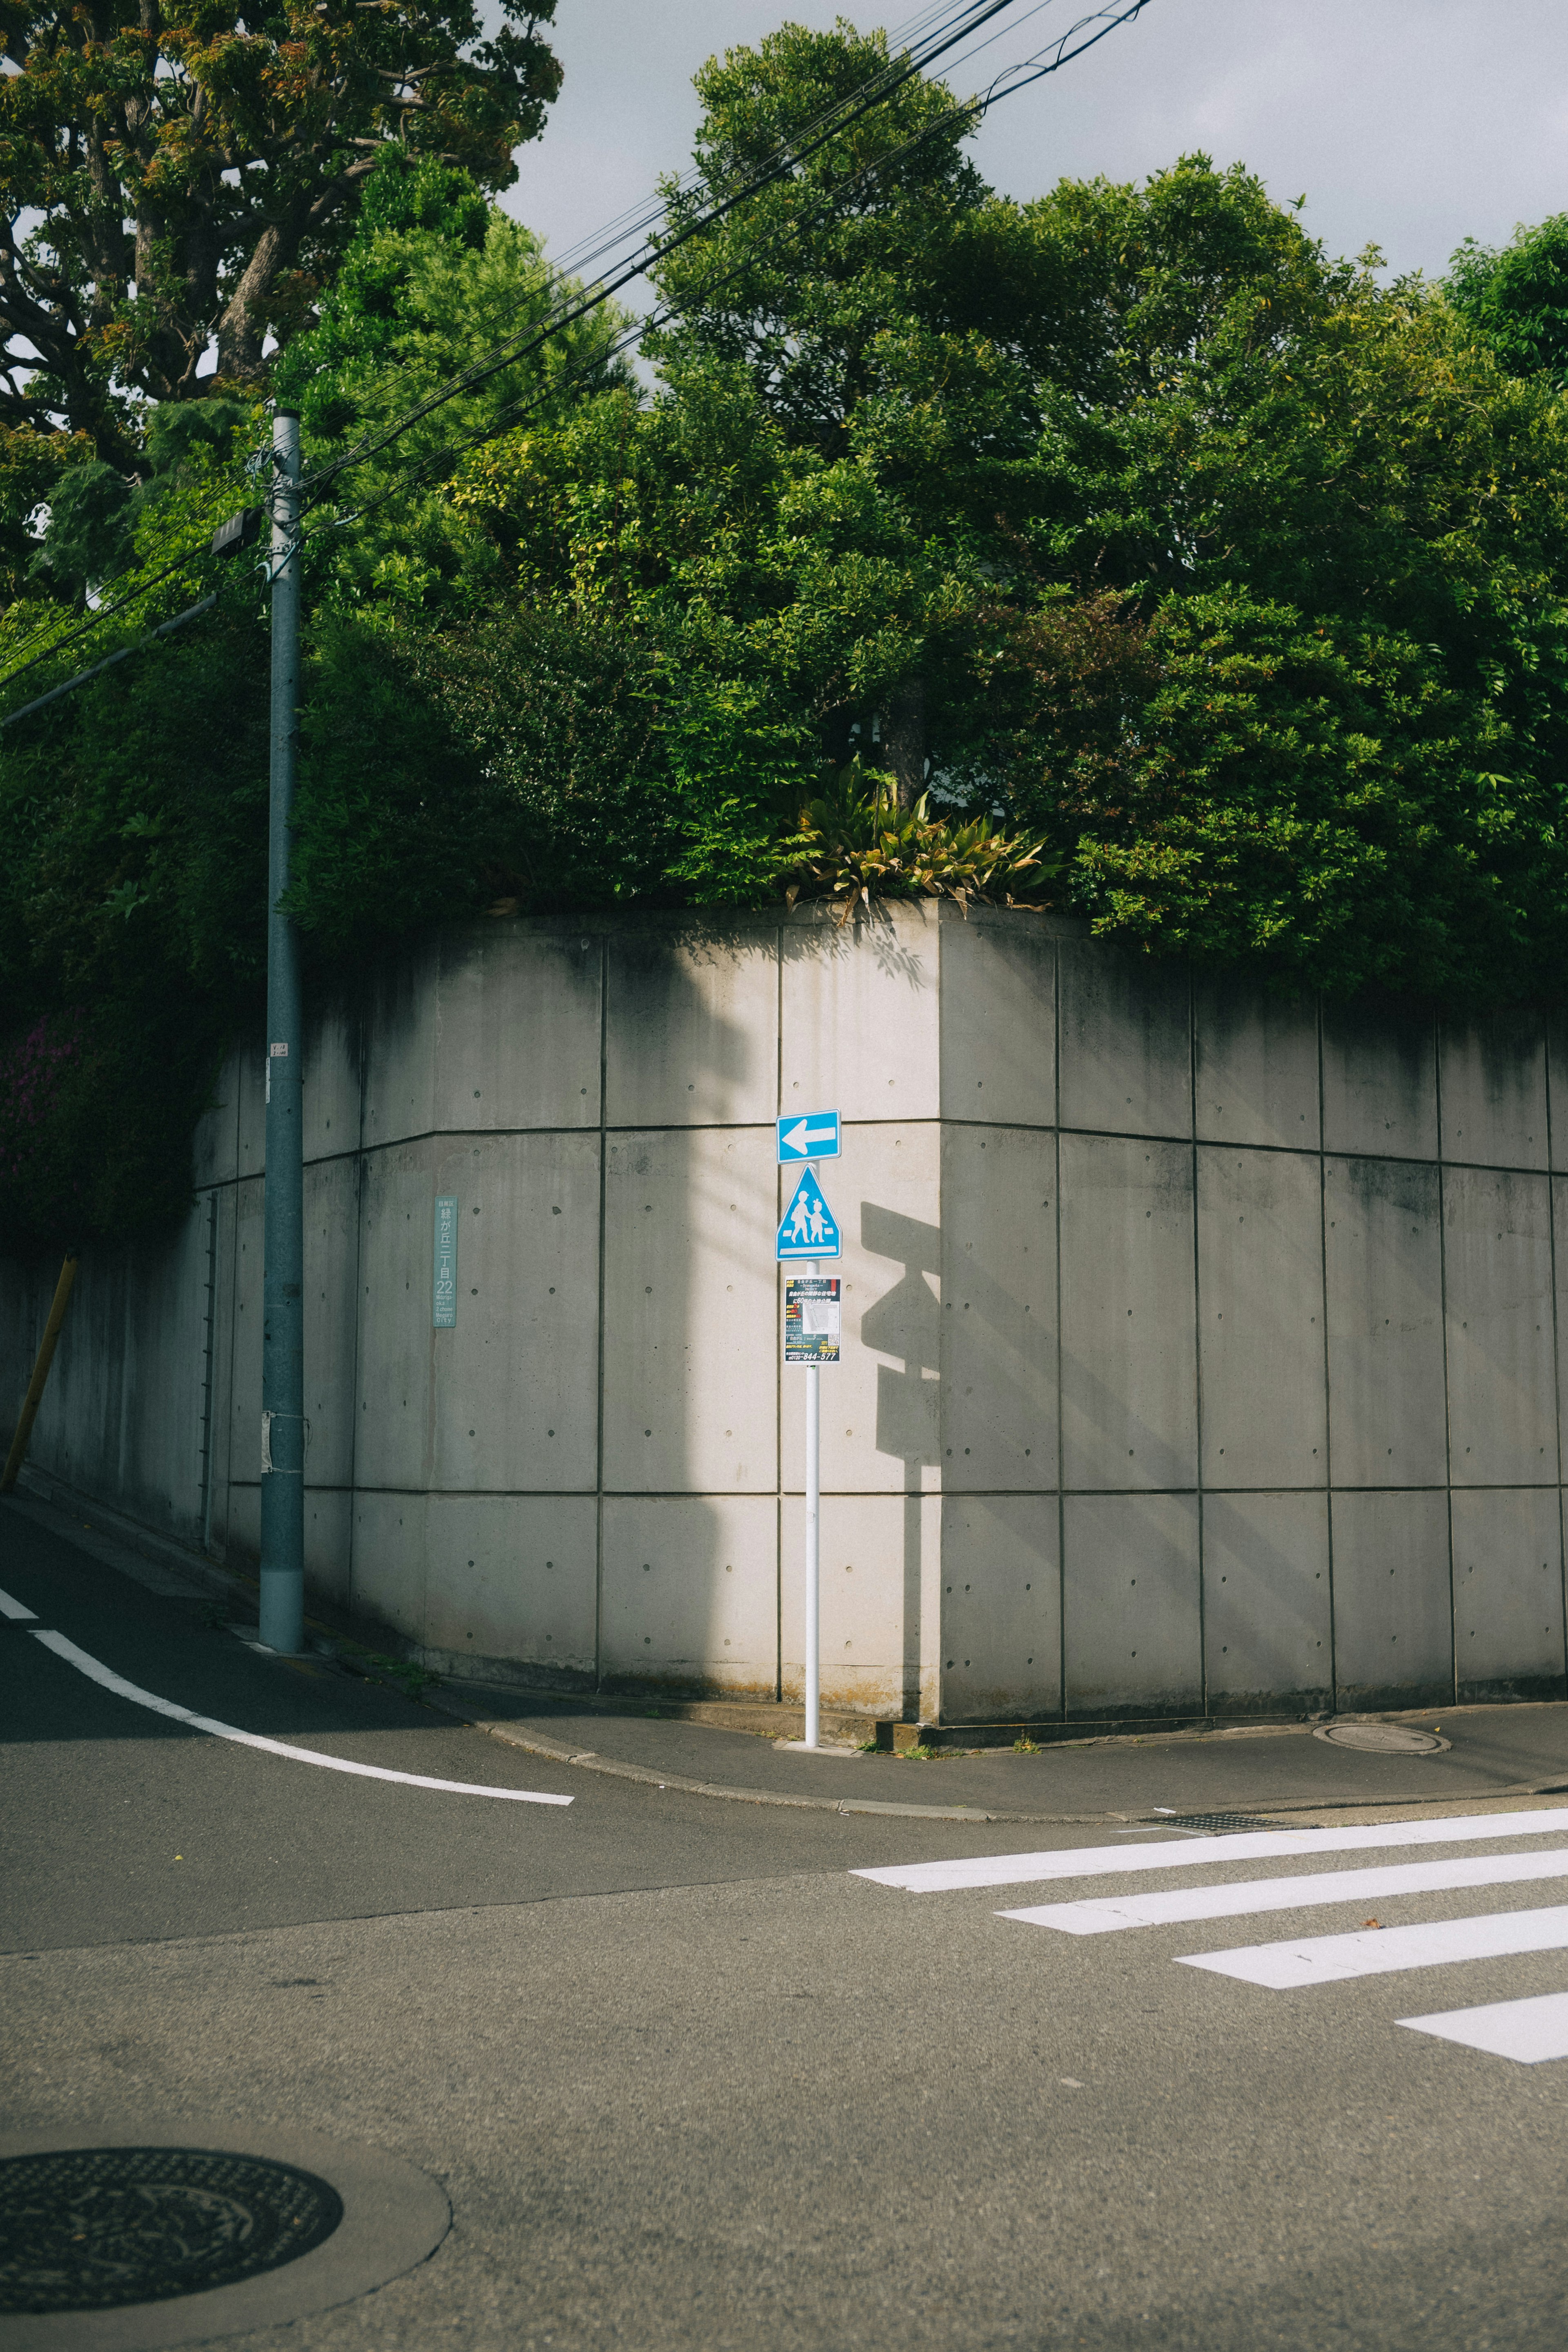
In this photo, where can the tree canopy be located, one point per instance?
(182, 175)
(1122, 551)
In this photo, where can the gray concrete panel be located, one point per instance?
(1380, 1081)
(881, 1602)
(691, 1025)
(688, 1595)
(495, 1026)
(998, 1028)
(1129, 1603)
(1126, 1042)
(1555, 1030)
(1260, 1317)
(1508, 1592)
(223, 1366)
(244, 1357)
(328, 1544)
(860, 1029)
(215, 1147)
(242, 1532)
(881, 1403)
(250, 1147)
(394, 1443)
(511, 1578)
(330, 1332)
(1268, 1624)
(514, 1402)
(1386, 1324)
(1501, 1378)
(690, 1312)
(1255, 1060)
(331, 1106)
(998, 1387)
(1001, 1608)
(389, 1562)
(1394, 1636)
(1129, 1370)
(1493, 1091)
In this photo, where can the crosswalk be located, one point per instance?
(1529, 2030)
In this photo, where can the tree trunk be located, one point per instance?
(904, 737)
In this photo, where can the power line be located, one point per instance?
(807, 140)
(1008, 83)
(785, 160)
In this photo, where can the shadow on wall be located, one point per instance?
(688, 1533)
(905, 1324)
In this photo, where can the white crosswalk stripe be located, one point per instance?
(1381, 1951)
(1530, 2029)
(1251, 1845)
(1172, 1906)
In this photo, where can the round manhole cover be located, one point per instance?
(94, 2228)
(1382, 1738)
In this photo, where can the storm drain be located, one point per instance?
(1218, 1822)
(94, 2229)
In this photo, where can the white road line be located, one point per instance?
(17, 1610)
(1168, 1906)
(110, 1681)
(1374, 1951)
(1529, 2029)
(1251, 1845)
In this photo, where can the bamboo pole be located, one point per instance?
(33, 1397)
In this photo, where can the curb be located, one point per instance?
(166, 1566)
(558, 1751)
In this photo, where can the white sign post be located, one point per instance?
(809, 1227)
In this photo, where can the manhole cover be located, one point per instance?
(1382, 1738)
(91, 2228)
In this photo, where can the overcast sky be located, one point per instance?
(1408, 123)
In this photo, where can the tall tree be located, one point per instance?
(176, 174)
(1516, 297)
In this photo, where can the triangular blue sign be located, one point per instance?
(808, 1229)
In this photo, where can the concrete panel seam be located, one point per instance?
(1448, 1393)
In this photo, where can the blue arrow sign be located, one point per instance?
(813, 1136)
(808, 1229)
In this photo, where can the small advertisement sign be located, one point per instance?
(812, 1319)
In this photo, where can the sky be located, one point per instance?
(1409, 124)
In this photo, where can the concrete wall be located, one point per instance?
(1200, 1350)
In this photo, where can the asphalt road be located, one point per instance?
(690, 2082)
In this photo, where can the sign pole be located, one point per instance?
(812, 1547)
(811, 1340)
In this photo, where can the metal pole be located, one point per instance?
(812, 1547)
(283, 1250)
(35, 1395)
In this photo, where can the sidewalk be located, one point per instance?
(1497, 1751)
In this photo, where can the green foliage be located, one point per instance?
(191, 175)
(1121, 550)
(1515, 297)
(1322, 805)
(854, 843)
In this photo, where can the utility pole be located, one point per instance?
(283, 1244)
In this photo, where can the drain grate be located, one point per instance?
(1212, 1822)
(94, 2228)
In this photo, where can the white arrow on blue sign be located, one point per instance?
(813, 1136)
(808, 1229)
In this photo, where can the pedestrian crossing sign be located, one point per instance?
(808, 1229)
